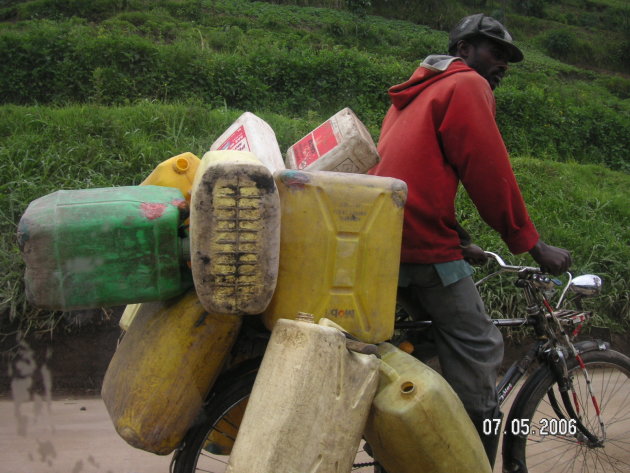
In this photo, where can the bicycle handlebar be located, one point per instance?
(510, 268)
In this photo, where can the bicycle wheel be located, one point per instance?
(207, 446)
(553, 443)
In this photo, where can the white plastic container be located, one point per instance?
(340, 144)
(234, 233)
(417, 423)
(251, 133)
(308, 406)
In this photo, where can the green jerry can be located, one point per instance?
(104, 247)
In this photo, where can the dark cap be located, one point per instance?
(485, 26)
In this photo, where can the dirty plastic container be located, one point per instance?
(252, 133)
(417, 422)
(103, 247)
(340, 144)
(178, 171)
(308, 405)
(234, 233)
(339, 250)
(163, 369)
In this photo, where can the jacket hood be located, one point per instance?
(432, 69)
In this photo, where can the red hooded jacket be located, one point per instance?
(441, 130)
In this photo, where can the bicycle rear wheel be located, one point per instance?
(207, 446)
(553, 443)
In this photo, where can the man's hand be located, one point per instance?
(551, 259)
(474, 255)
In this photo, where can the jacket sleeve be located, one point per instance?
(473, 145)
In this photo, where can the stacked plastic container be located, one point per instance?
(261, 240)
(163, 369)
(77, 244)
(309, 403)
(347, 268)
(341, 144)
(234, 233)
(417, 422)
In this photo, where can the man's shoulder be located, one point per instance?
(459, 75)
(467, 77)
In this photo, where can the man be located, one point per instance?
(439, 131)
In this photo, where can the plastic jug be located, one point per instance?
(252, 133)
(340, 144)
(234, 233)
(339, 250)
(417, 422)
(308, 406)
(103, 247)
(178, 171)
(132, 310)
(163, 369)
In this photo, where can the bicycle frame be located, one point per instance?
(548, 348)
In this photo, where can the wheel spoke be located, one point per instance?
(609, 374)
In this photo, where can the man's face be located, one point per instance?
(489, 59)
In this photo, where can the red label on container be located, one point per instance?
(152, 210)
(237, 141)
(314, 145)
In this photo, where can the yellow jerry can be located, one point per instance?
(417, 422)
(163, 369)
(178, 171)
(309, 403)
(339, 250)
(234, 233)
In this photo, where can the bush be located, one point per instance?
(559, 43)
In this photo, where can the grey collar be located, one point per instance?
(439, 63)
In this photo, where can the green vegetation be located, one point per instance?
(97, 93)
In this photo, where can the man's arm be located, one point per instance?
(474, 146)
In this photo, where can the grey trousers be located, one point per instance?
(469, 346)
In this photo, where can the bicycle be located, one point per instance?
(570, 414)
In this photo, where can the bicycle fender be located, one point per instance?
(591, 345)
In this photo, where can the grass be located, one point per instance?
(43, 149)
(96, 94)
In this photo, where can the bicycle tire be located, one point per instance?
(207, 445)
(550, 444)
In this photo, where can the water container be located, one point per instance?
(132, 310)
(308, 406)
(163, 369)
(103, 247)
(339, 250)
(178, 171)
(251, 133)
(234, 233)
(340, 144)
(417, 422)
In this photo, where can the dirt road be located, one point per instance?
(67, 436)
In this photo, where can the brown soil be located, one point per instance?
(77, 361)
